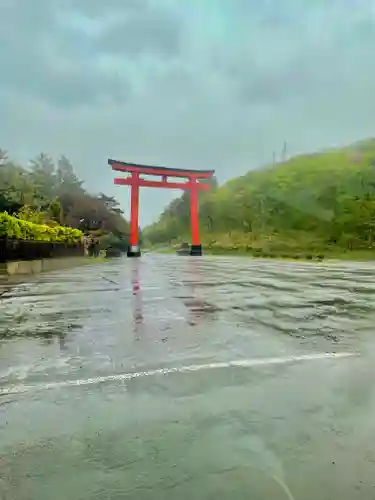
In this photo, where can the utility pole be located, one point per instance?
(283, 154)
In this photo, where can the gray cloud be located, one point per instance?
(152, 31)
(184, 83)
(101, 9)
(44, 54)
(35, 60)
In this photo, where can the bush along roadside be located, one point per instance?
(17, 229)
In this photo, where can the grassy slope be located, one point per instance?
(321, 203)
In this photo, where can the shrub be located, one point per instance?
(15, 228)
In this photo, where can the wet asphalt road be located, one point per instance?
(117, 381)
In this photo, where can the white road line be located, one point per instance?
(241, 363)
(153, 299)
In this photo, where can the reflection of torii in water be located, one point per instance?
(199, 308)
(137, 300)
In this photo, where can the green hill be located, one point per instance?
(310, 204)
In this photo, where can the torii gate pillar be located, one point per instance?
(134, 248)
(135, 181)
(196, 247)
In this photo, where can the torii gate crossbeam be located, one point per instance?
(135, 181)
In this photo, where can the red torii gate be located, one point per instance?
(135, 181)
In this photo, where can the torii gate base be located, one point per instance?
(196, 250)
(133, 251)
(134, 180)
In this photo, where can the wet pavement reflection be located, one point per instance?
(170, 377)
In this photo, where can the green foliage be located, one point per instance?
(53, 195)
(318, 201)
(111, 241)
(54, 210)
(13, 227)
(30, 214)
(16, 188)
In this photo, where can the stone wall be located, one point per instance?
(30, 267)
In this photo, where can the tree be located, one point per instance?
(16, 188)
(43, 177)
(43, 163)
(111, 203)
(67, 180)
(3, 157)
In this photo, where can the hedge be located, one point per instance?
(12, 227)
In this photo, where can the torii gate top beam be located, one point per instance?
(121, 166)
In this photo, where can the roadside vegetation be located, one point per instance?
(13, 227)
(310, 206)
(46, 201)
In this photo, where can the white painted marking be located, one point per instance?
(148, 288)
(154, 299)
(241, 363)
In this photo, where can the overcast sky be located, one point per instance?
(187, 83)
